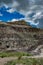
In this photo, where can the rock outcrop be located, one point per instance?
(19, 37)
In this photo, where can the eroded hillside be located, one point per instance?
(19, 38)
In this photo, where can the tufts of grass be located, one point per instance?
(14, 54)
(26, 61)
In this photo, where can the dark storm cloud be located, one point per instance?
(6, 1)
(23, 4)
(39, 2)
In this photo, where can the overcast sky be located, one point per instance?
(21, 4)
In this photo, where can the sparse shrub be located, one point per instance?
(19, 57)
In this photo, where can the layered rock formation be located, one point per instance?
(19, 37)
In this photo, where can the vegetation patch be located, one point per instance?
(14, 54)
(26, 61)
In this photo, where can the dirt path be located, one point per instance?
(5, 60)
(37, 56)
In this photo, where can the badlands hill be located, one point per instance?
(18, 36)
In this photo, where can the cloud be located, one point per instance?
(15, 4)
(31, 21)
(37, 15)
(13, 7)
(0, 20)
(10, 10)
(6, 1)
(21, 4)
(1, 14)
(39, 2)
(6, 6)
(24, 4)
(14, 20)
